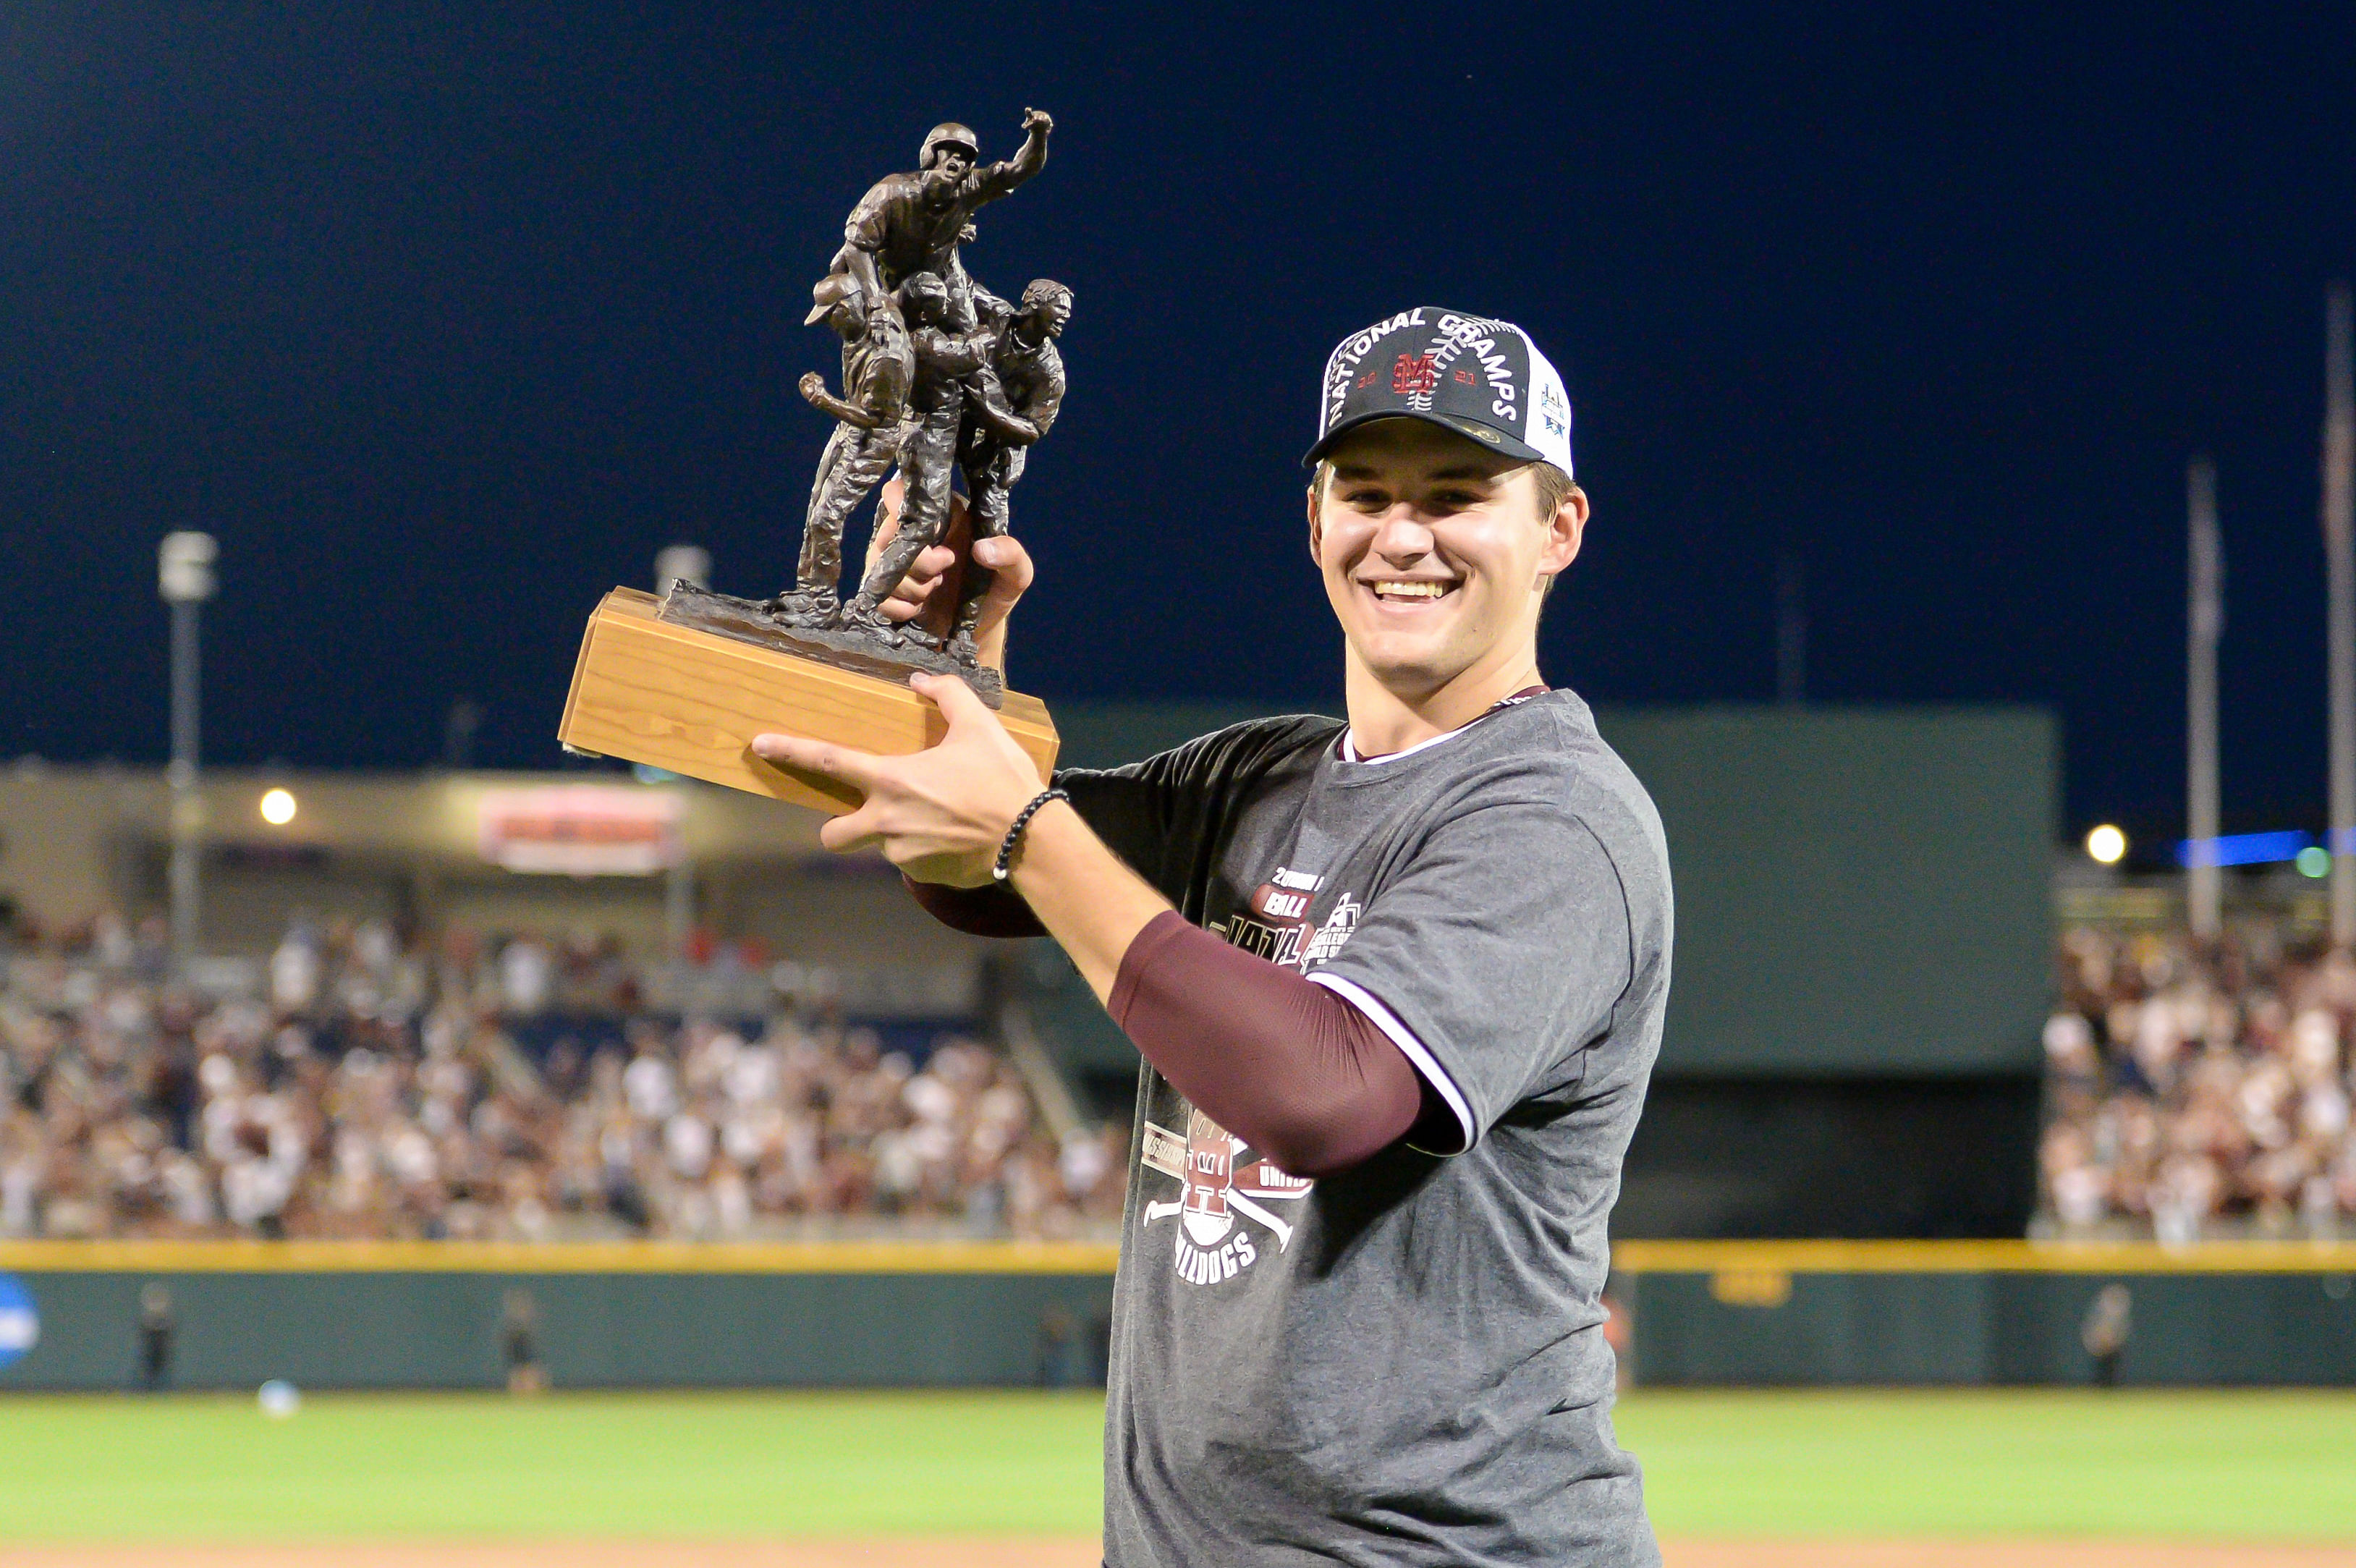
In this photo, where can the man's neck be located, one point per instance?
(1383, 721)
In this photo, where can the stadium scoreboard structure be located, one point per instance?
(1859, 891)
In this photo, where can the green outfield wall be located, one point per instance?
(1707, 1314)
(433, 1315)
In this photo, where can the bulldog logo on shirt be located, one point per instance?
(1218, 1189)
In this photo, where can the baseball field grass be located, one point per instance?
(1964, 1466)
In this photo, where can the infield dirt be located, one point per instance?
(1010, 1552)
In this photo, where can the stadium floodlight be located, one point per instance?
(682, 564)
(2106, 845)
(184, 567)
(278, 806)
(183, 576)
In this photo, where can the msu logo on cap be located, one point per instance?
(1478, 377)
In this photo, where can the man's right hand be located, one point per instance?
(1037, 120)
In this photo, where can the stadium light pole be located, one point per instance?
(1791, 632)
(690, 564)
(184, 572)
(2204, 624)
(2339, 550)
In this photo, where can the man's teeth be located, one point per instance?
(1415, 590)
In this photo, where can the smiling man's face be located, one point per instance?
(1436, 553)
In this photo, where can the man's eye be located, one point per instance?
(1454, 500)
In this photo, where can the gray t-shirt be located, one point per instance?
(1405, 1363)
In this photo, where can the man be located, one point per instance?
(1010, 407)
(157, 1324)
(1398, 984)
(910, 223)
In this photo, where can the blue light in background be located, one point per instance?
(2241, 849)
(20, 1320)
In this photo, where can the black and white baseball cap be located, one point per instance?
(1476, 376)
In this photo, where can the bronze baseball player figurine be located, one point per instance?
(877, 367)
(937, 374)
(1000, 429)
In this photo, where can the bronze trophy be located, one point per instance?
(940, 378)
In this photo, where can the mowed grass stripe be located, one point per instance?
(1966, 1462)
(2227, 1463)
(580, 1465)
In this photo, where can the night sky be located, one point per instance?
(445, 325)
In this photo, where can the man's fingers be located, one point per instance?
(925, 574)
(857, 768)
(887, 516)
(954, 698)
(1010, 563)
(856, 831)
(922, 587)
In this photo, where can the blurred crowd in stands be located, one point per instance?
(2197, 1091)
(506, 1088)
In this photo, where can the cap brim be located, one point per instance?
(1479, 435)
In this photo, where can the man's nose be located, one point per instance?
(1402, 535)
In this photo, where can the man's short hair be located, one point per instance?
(1041, 290)
(1554, 487)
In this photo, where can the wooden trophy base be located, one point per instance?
(690, 700)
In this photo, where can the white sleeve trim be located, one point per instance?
(1404, 1038)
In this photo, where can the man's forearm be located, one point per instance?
(1090, 902)
(1294, 1070)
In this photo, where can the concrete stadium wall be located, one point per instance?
(349, 1317)
(1977, 1313)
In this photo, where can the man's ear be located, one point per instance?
(1317, 521)
(1565, 532)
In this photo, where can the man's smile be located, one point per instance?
(1410, 590)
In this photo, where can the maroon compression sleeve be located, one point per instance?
(992, 911)
(1285, 1064)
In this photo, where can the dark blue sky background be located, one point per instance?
(445, 322)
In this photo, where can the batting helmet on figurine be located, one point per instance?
(949, 135)
(829, 292)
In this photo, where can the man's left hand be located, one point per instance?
(938, 814)
(927, 598)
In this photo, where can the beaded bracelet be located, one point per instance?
(998, 869)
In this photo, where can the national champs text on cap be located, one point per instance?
(1469, 374)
